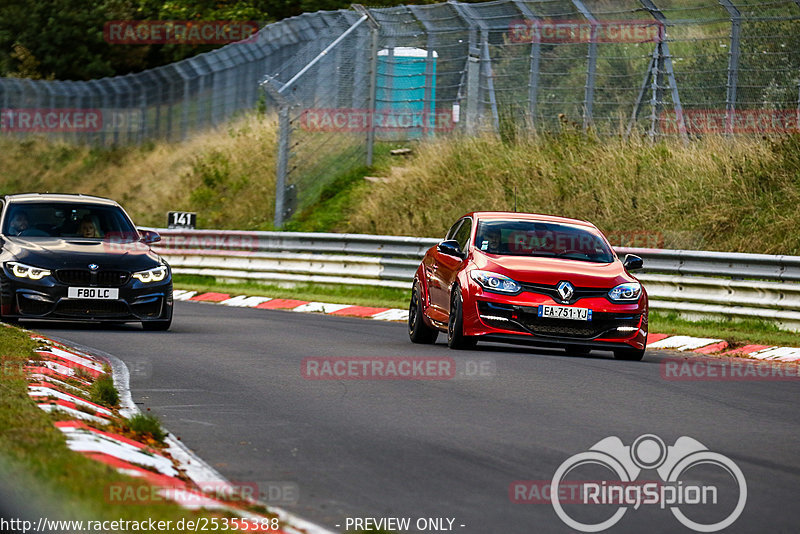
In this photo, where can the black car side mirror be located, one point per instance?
(451, 248)
(632, 262)
(149, 237)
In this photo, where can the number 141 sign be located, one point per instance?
(181, 219)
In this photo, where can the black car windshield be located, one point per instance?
(68, 220)
(538, 238)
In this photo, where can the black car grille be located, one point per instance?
(92, 308)
(526, 319)
(85, 277)
(552, 292)
(33, 306)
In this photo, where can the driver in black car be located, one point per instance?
(19, 223)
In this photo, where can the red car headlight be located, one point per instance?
(628, 292)
(496, 282)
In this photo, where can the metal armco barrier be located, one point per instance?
(693, 283)
(294, 256)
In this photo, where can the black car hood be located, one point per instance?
(77, 253)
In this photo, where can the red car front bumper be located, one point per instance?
(515, 318)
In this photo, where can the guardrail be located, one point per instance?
(693, 283)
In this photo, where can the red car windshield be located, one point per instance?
(537, 238)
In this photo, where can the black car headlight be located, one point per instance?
(627, 292)
(155, 274)
(496, 282)
(20, 270)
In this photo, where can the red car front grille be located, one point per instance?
(526, 319)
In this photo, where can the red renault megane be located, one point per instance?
(529, 279)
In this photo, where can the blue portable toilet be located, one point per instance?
(403, 109)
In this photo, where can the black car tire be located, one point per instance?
(455, 324)
(577, 350)
(629, 354)
(418, 331)
(160, 325)
(157, 326)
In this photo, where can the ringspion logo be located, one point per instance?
(627, 492)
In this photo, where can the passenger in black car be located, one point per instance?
(88, 229)
(19, 223)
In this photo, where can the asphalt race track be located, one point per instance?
(228, 382)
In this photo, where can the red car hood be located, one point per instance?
(551, 271)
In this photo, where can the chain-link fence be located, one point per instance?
(341, 80)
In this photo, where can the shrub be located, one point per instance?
(147, 426)
(104, 392)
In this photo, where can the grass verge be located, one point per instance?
(736, 195)
(46, 478)
(735, 332)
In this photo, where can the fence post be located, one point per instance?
(374, 28)
(429, 100)
(486, 59)
(272, 87)
(733, 65)
(479, 62)
(591, 67)
(473, 92)
(536, 52)
(664, 53)
(637, 107)
(472, 69)
(656, 95)
(276, 89)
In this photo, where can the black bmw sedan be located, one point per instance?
(76, 257)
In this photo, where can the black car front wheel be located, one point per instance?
(161, 324)
(455, 323)
(157, 326)
(418, 331)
